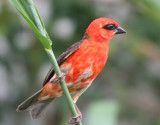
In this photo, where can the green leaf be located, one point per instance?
(28, 10)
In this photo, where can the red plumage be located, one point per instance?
(81, 63)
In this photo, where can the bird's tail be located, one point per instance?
(35, 106)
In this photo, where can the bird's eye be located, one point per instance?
(110, 27)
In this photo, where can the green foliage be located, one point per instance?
(28, 10)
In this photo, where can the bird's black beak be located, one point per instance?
(119, 30)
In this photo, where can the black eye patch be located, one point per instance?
(110, 27)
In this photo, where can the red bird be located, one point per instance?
(81, 63)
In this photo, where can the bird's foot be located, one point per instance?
(58, 78)
(75, 120)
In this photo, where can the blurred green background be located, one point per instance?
(127, 91)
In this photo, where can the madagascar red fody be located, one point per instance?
(80, 63)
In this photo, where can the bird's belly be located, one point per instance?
(76, 78)
(81, 69)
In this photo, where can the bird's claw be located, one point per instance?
(58, 78)
(75, 120)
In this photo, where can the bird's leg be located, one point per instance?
(58, 78)
(76, 119)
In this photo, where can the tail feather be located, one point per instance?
(35, 106)
(28, 102)
(39, 108)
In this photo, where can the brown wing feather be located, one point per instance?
(62, 58)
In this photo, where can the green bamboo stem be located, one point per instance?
(31, 12)
(28, 10)
(63, 84)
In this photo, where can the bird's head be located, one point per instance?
(103, 29)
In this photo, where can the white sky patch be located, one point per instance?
(24, 40)
(64, 28)
(4, 47)
(4, 84)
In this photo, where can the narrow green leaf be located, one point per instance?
(42, 24)
(46, 42)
